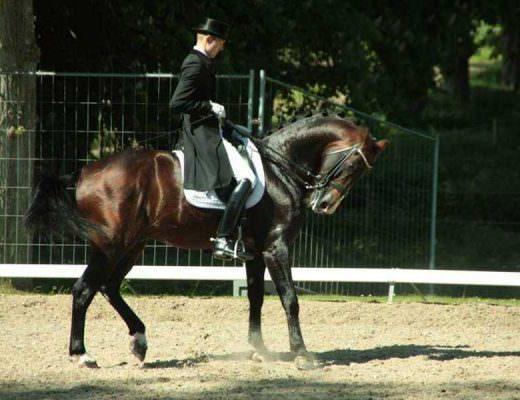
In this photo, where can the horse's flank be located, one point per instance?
(137, 194)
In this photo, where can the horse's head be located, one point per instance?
(344, 161)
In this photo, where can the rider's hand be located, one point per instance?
(218, 109)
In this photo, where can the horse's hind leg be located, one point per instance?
(255, 292)
(138, 343)
(136, 328)
(83, 292)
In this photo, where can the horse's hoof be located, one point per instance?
(86, 361)
(138, 346)
(258, 357)
(306, 362)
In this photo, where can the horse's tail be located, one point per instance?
(53, 210)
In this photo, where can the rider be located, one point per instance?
(207, 154)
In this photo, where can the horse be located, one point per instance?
(129, 197)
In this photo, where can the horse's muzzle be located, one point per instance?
(326, 204)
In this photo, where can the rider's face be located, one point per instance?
(214, 45)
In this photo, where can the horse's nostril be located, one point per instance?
(324, 205)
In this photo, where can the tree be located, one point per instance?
(510, 17)
(18, 53)
(460, 19)
(371, 54)
(405, 53)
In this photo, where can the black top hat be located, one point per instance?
(213, 27)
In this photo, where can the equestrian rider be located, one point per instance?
(211, 162)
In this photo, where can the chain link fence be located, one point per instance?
(388, 220)
(80, 118)
(385, 222)
(479, 217)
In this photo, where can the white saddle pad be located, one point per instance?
(209, 199)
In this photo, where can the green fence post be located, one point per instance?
(433, 225)
(250, 100)
(261, 104)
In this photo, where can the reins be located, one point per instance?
(310, 180)
(316, 181)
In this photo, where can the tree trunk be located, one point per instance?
(18, 56)
(461, 79)
(457, 47)
(511, 66)
(457, 75)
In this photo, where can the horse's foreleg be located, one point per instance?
(255, 270)
(83, 292)
(277, 260)
(136, 328)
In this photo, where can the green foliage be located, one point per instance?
(375, 57)
(104, 143)
(478, 215)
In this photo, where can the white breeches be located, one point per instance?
(239, 165)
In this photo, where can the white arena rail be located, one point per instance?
(372, 275)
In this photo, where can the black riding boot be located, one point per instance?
(223, 245)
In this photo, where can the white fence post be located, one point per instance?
(391, 292)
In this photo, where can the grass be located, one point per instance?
(7, 289)
(407, 299)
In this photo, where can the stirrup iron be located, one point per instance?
(231, 249)
(240, 248)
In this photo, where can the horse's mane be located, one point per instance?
(321, 123)
(299, 121)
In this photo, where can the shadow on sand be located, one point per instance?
(263, 389)
(348, 356)
(305, 387)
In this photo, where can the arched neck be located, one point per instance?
(303, 147)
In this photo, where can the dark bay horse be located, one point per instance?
(136, 195)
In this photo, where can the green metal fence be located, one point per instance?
(388, 220)
(81, 118)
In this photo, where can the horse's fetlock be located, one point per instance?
(76, 346)
(86, 360)
(139, 345)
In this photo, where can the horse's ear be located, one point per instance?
(380, 145)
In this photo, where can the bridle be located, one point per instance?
(318, 182)
(328, 178)
(311, 181)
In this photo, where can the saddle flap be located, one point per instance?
(210, 199)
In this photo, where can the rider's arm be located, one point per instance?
(184, 98)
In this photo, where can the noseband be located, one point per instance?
(321, 181)
(318, 182)
(328, 178)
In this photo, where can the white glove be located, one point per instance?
(218, 110)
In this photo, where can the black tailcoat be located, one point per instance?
(206, 164)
